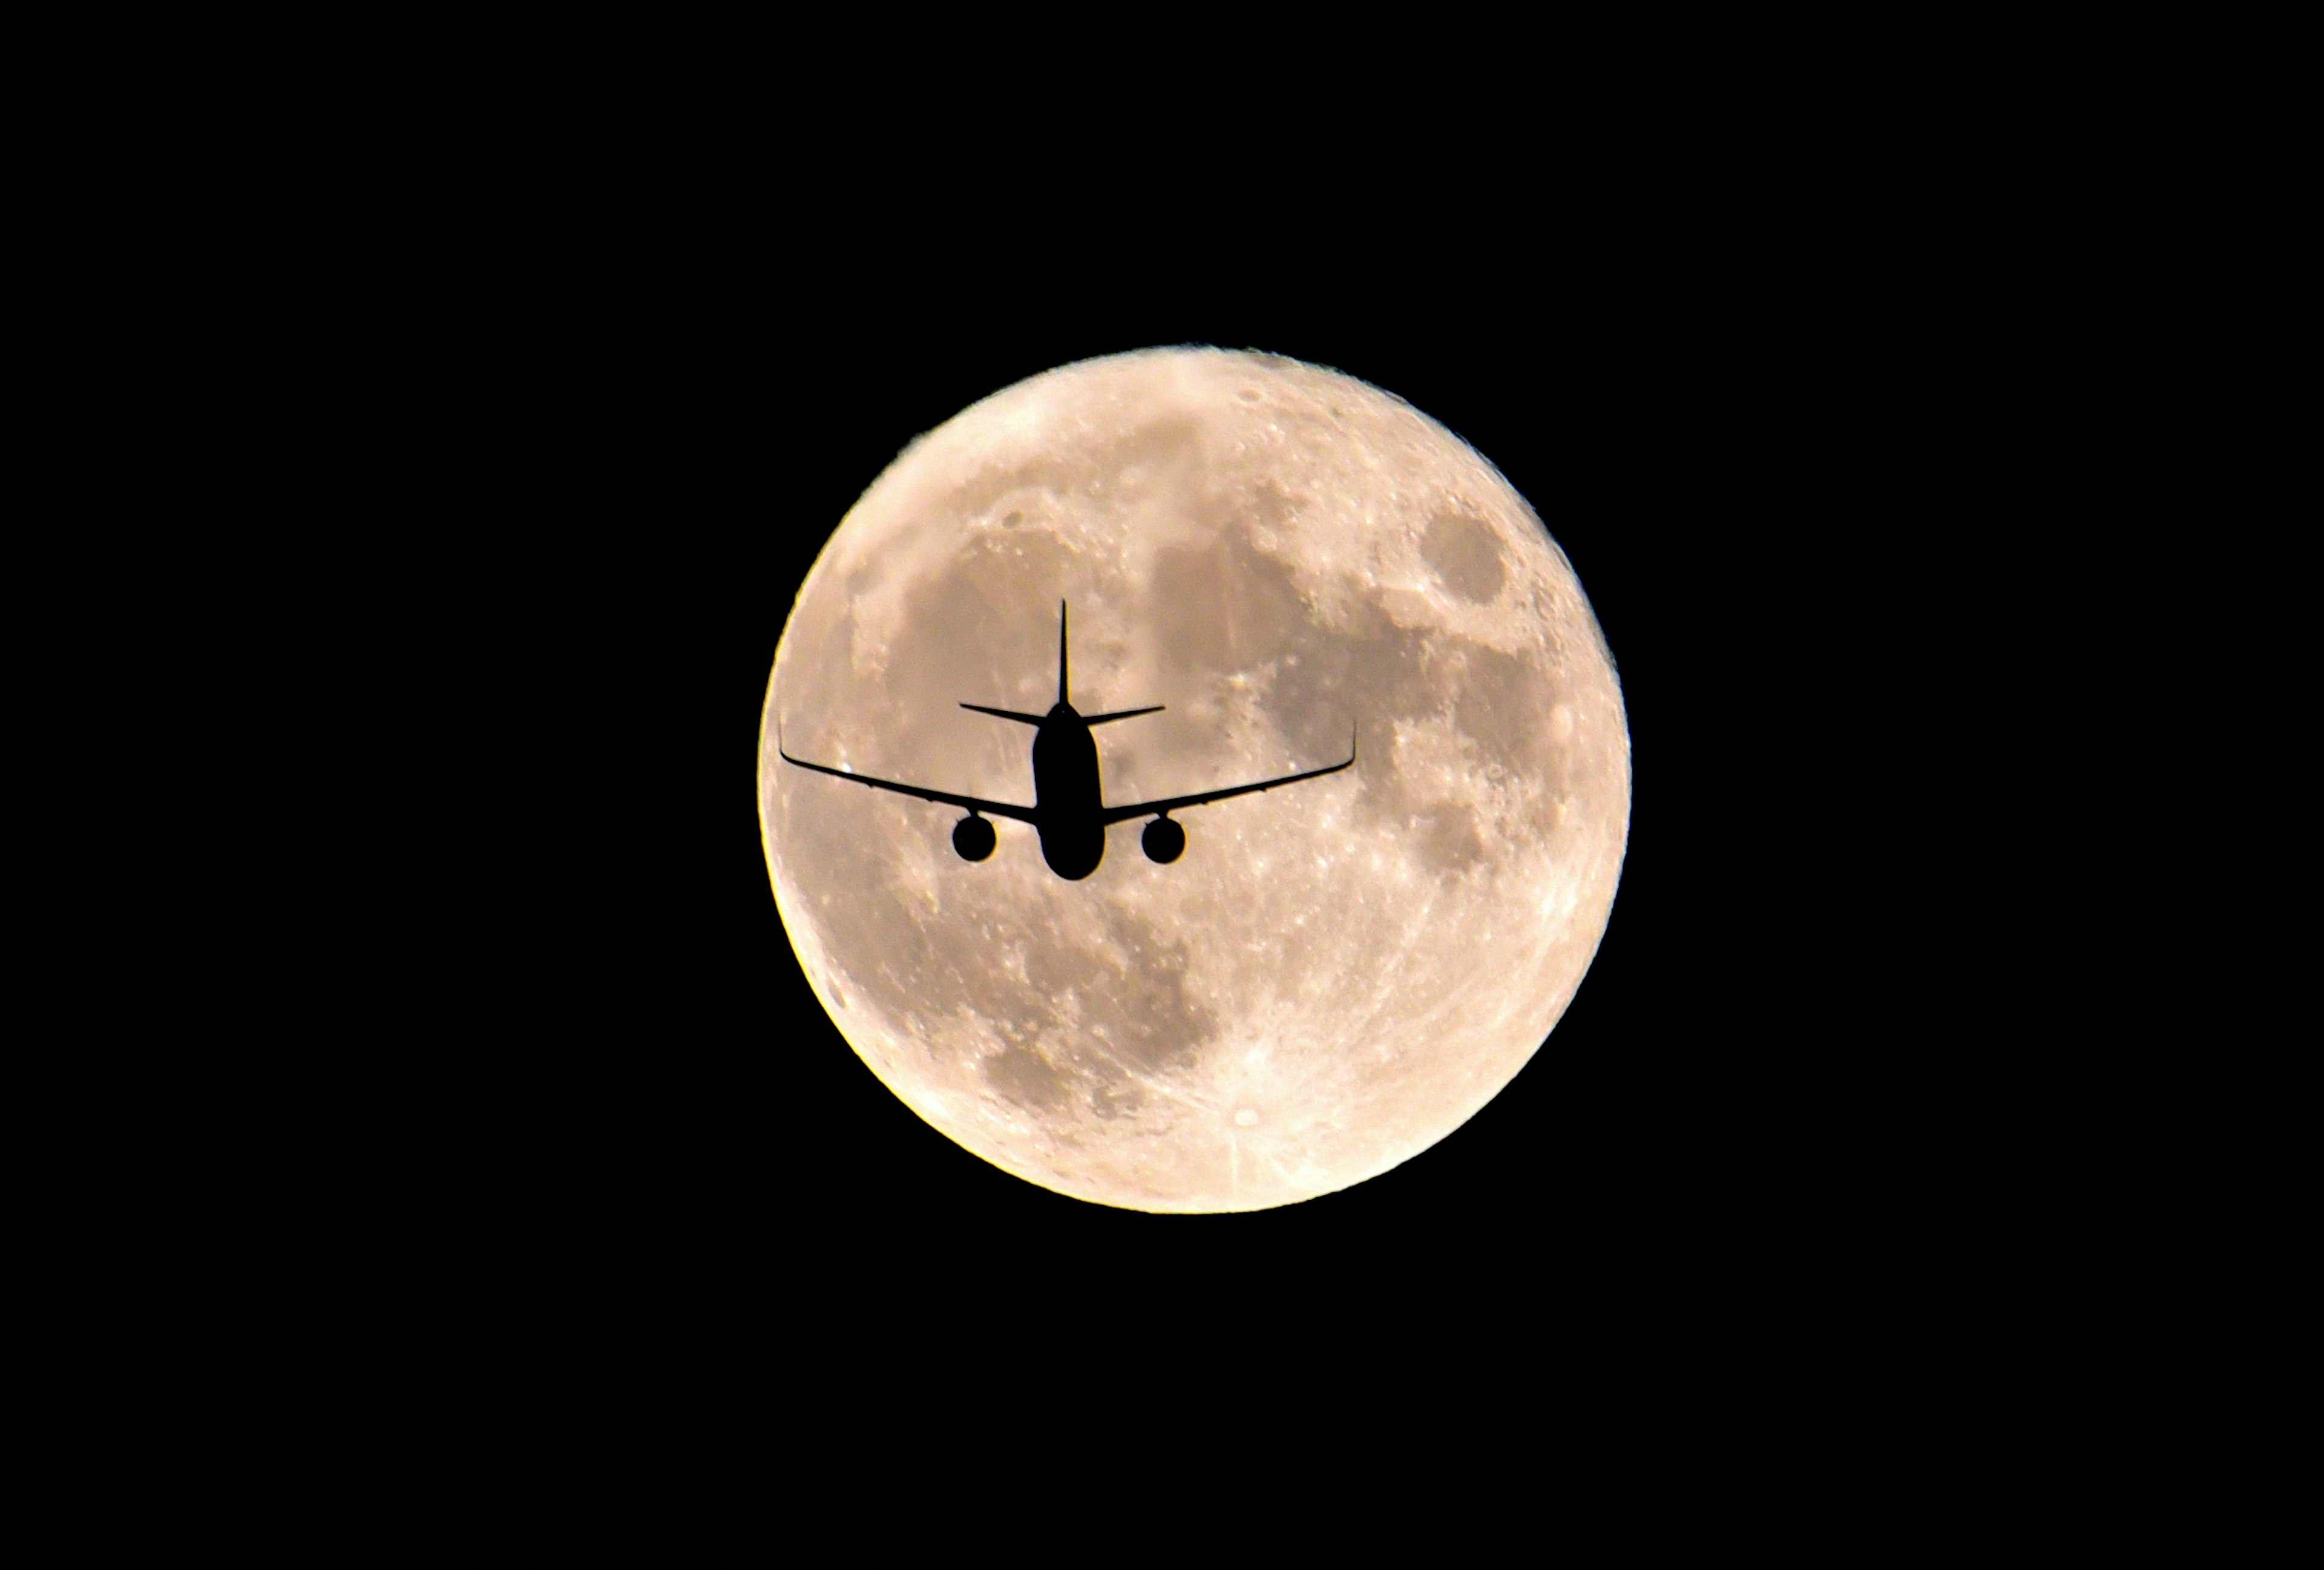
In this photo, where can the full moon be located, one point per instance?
(1333, 975)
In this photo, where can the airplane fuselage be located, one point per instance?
(1067, 795)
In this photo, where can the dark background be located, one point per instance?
(488, 442)
(618, 1104)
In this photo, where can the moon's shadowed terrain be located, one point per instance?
(1330, 978)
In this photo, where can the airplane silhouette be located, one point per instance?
(1069, 811)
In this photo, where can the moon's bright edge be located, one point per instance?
(1335, 975)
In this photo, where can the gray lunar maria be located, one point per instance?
(1335, 975)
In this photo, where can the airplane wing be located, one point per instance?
(1150, 808)
(975, 804)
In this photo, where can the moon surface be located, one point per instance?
(1334, 975)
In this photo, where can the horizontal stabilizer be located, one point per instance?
(1022, 719)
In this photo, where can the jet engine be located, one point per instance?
(972, 837)
(1164, 841)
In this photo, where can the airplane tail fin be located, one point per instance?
(1095, 719)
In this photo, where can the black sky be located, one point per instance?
(642, 418)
